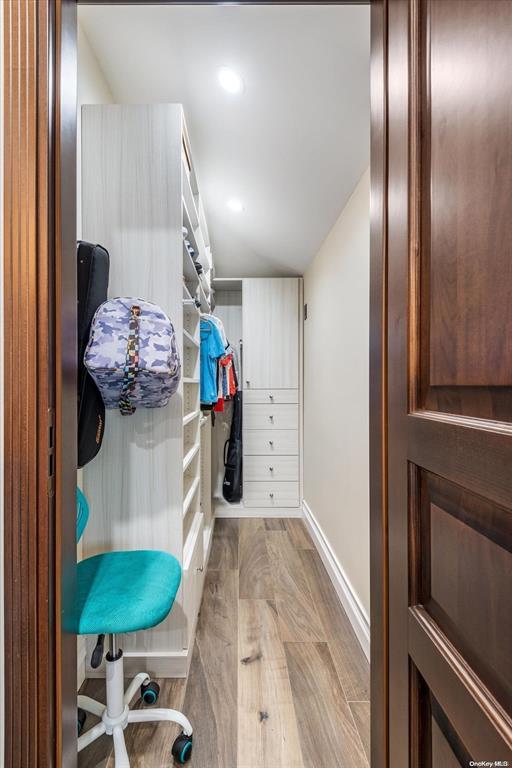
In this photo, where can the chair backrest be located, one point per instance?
(82, 513)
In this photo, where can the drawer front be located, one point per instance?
(271, 494)
(271, 468)
(283, 416)
(267, 442)
(271, 396)
(193, 577)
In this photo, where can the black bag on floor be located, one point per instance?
(232, 485)
(92, 286)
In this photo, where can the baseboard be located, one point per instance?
(239, 510)
(347, 596)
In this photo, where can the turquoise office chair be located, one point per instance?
(124, 592)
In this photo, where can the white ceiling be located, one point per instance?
(292, 146)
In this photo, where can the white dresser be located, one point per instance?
(272, 392)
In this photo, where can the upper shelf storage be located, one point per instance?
(189, 271)
(189, 202)
(194, 221)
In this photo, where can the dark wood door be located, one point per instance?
(447, 412)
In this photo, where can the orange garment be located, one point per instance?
(229, 374)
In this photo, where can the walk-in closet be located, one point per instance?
(222, 500)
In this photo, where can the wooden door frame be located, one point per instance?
(379, 559)
(39, 378)
(39, 270)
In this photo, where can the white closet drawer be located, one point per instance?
(271, 396)
(271, 468)
(193, 576)
(283, 416)
(271, 494)
(268, 442)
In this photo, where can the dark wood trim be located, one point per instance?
(28, 394)
(66, 371)
(40, 468)
(378, 390)
(398, 217)
(464, 452)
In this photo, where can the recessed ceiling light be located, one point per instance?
(230, 80)
(235, 205)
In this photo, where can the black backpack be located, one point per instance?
(92, 286)
(232, 485)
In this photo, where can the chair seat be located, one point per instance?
(125, 591)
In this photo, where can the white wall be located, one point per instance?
(93, 88)
(336, 410)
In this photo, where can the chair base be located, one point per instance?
(116, 714)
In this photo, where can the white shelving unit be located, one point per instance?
(146, 485)
(190, 375)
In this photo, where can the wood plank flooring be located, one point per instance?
(278, 679)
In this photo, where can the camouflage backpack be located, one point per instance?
(132, 355)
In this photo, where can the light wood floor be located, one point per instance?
(277, 679)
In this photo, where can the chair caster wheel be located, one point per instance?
(149, 692)
(182, 749)
(80, 720)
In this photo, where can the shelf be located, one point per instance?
(192, 279)
(205, 304)
(187, 222)
(196, 239)
(189, 496)
(189, 306)
(204, 226)
(227, 284)
(207, 540)
(189, 456)
(187, 296)
(189, 202)
(190, 542)
(189, 380)
(189, 271)
(190, 417)
(189, 341)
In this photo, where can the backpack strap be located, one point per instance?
(131, 366)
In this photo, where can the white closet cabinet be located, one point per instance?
(270, 308)
(145, 487)
(272, 392)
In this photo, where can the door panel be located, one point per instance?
(464, 558)
(466, 159)
(448, 310)
(270, 308)
(467, 119)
